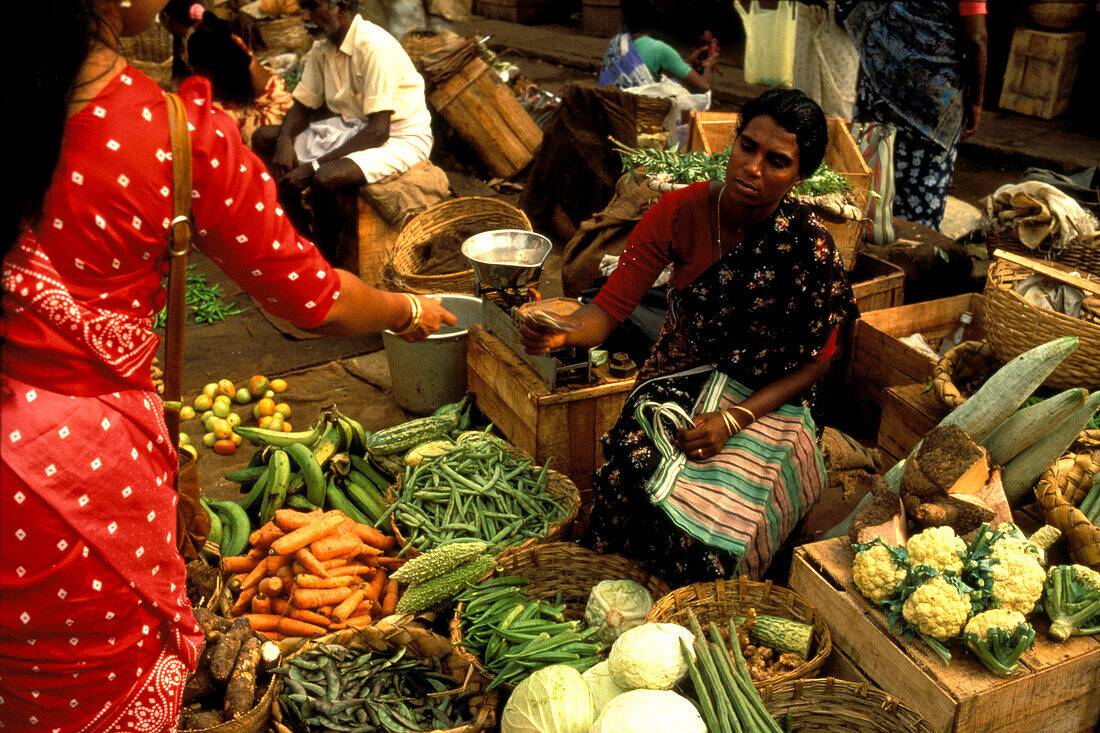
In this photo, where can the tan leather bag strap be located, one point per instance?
(179, 243)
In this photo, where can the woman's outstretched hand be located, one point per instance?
(432, 316)
(539, 339)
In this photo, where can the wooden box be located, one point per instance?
(877, 358)
(1056, 689)
(712, 132)
(876, 283)
(486, 114)
(601, 18)
(909, 411)
(377, 238)
(513, 11)
(564, 425)
(1041, 69)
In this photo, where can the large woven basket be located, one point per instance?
(1079, 255)
(423, 643)
(150, 52)
(1013, 326)
(828, 704)
(721, 600)
(557, 484)
(561, 567)
(969, 361)
(1059, 491)
(285, 34)
(473, 214)
(255, 720)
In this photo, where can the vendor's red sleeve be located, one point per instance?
(829, 349)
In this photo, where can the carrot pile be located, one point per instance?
(308, 573)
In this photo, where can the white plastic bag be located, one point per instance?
(769, 42)
(826, 62)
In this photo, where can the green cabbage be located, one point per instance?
(554, 699)
(615, 606)
(603, 686)
(649, 710)
(649, 656)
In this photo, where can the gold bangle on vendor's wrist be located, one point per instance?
(414, 319)
(745, 410)
(731, 423)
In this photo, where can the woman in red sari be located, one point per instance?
(96, 632)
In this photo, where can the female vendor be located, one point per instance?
(757, 294)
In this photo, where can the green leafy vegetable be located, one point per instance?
(205, 301)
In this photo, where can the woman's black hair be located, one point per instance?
(639, 16)
(213, 53)
(43, 74)
(179, 11)
(799, 115)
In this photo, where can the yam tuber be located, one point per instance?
(240, 692)
(224, 654)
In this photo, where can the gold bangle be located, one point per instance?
(745, 410)
(414, 319)
(731, 423)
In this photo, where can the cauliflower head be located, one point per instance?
(877, 572)
(937, 609)
(937, 547)
(995, 618)
(998, 638)
(1017, 576)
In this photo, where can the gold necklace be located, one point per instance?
(718, 217)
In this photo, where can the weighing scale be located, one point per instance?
(507, 265)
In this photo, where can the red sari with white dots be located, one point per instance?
(96, 632)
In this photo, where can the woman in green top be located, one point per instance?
(634, 58)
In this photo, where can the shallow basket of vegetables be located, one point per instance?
(828, 704)
(722, 600)
(394, 660)
(1069, 495)
(560, 574)
(483, 491)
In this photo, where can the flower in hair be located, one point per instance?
(196, 12)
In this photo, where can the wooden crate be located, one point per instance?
(486, 114)
(877, 358)
(1055, 690)
(1041, 70)
(712, 132)
(909, 411)
(564, 425)
(876, 283)
(601, 17)
(376, 240)
(513, 11)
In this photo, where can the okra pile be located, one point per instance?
(513, 635)
(331, 687)
(480, 490)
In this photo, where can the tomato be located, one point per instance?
(222, 428)
(233, 419)
(185, 439)
(222, 406)
(266, 407)
(225, 447)
(276, 422)
(211, 390)
(287, 428)
(187, 412)
(237, 440)
(278, 385)
(203, 403)
(283, 409)
(209, 439)
(226, 387)
(243, 396)
(256, 414)
(258, 384)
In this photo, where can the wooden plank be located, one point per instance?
(908, 413)
(1060, 274)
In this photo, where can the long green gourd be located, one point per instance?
(1021, 473)
(991, 405)
(1025, 427)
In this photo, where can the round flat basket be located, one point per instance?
(969, 362)
(1013, 325)
(558, 485)
(422, 643)
(255, 720)
(721, 600)
(150, 52)
(560, 567)
(1059, 491)
(458, 218)
(828, 704)
(287, 33)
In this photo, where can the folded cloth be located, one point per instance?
(1039, 212)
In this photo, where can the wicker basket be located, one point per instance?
(470, 213)
(561, 567)
(423, 643)
(288, 33)
(1013, 326)
(963, 363)
(1059, 491)
(150, 52)
(1079, 255)
(721, 600)
(255, 720)
(557, 484)
(828, 704)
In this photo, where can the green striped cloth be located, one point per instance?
(747, 498)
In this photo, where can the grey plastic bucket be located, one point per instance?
(431, 373)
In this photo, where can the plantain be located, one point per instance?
(236, 527)
(329, 444)
(365, 498)
(357, 442)
(258, 490)
(336, 499)
(277, 488)
(265, 437)
(214, 536)
(309, 469)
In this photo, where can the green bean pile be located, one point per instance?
(331, 687)
(479, 490)
(204, 300)
(513, 636)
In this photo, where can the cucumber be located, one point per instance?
(400, 438)
(783, 635)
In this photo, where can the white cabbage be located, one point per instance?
(645, 711)
(602, 685)
(554, 699)
(615, 606)
(649, 656)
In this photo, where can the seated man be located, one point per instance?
(377, 123)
